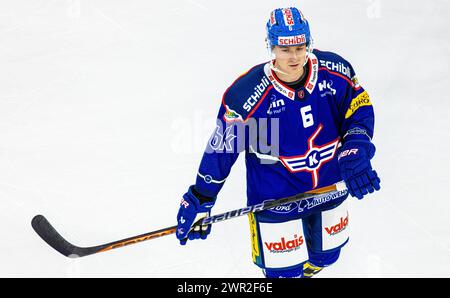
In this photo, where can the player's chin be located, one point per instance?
(294, 67)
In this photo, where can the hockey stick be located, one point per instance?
(45, 230)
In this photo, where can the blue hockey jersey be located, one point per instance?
(290, 137)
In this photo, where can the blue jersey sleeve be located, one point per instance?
(232, 132)
(356, 110)
(222, 149)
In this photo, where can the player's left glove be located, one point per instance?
(193, 207)
(356, 170)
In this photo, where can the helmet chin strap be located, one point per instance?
(272, 58)
(272, 66)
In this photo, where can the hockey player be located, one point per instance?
(304, 122)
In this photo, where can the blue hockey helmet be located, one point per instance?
(287, 27)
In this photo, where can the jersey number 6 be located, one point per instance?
(307, 117)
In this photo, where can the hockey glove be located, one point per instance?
(193, 207)
(356, 170)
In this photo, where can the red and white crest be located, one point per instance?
(313, 159)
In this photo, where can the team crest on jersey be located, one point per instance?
(313, 159)
(327, 88)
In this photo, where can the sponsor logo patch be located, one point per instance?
(231, 115)
(276, 105)
(258, 92)
(283, 209)
(272, 18)
(319, 200)
(284, 245)
(338, 67)
(361, 100)
(337, 228)
(314, 70)
(287, 16)
(291, 40)
(286, 92)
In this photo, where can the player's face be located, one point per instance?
(290, 59)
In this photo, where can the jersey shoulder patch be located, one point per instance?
(243, 97)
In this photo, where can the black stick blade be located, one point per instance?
(45, 230)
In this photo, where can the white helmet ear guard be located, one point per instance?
(309, 50)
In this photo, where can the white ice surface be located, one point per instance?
(105, 107)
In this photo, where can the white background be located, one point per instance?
(106, 106)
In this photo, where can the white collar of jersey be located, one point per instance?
(289, 92)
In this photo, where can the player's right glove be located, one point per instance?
(193, 207)
(356, 170)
